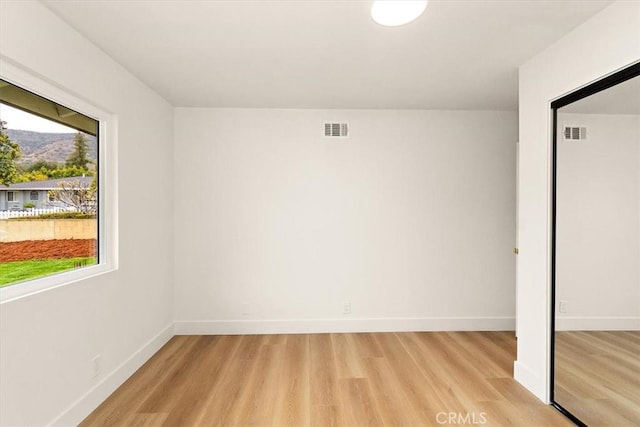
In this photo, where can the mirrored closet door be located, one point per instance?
(596, 252)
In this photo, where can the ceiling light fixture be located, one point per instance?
(392, 13)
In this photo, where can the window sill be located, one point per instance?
(43, 284)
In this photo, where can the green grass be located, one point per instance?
(19, 271)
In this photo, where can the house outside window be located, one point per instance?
(11, 196)
(33, 195)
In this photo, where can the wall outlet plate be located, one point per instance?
(562, 306)
(245, 307)
(346, 307)
(96, 365)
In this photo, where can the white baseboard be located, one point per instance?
(309, 326)
(597, 323)
(531, 381)
(94, 397)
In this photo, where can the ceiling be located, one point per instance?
(623, 98)
(460, 54)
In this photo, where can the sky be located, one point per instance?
(19, 120)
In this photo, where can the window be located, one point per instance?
(61, 159)
(55, 151)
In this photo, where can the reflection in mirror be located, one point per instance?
(597, 257)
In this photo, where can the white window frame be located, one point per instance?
(13, 196)
(107, 183)
(33, 195)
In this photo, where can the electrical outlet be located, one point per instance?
(246, 308)
(563, 306)
(346, 307)
(96, 364)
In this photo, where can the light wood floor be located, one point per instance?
(597, 376)
(394, 379)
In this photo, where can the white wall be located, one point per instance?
(598, 233)
(411, 219)
(49, 339)
(605, 43)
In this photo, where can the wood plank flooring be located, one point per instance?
(597, 376)
(368, 379)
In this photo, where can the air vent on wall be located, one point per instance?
(572, 133)
(335, 129)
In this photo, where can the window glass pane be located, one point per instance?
(48, 187)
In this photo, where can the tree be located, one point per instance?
(39, 165)
(9, 153)
(79, 157)
(68, 172)
(77, 194)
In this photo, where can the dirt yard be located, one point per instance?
(47, 249)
